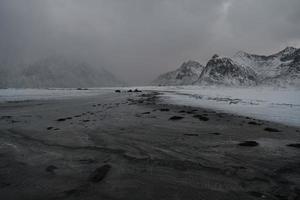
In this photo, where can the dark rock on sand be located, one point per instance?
(215, 133)
(164, 109)
(6, 117)
(248, 144)
(254, 123)
(271, 129)
(63, 119)
(50, 128)
(191, 134)
(200, 117)
(117, 91)
(176, 118)
(136, 90)
(51, 168)
(145, 113)
(296, 145)
(100, 173)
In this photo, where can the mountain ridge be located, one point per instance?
(244, 69)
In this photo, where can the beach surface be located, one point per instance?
(135, 145)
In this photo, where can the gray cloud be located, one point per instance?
(139, 39)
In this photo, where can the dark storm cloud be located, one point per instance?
(139, 39)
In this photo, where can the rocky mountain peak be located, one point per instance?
(215, 56)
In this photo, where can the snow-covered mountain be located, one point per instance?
(243, 69)
(56, 72)
(186, 74)
(224, 71)
(279, 69)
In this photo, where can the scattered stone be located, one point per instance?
(85, 120)
(191, 134)
(254, 123)
(295, 145)
(164, 109)
(49, 128)
(6, 117)
(61, 119)
(200, 117)
(100, 173)
(176, 118)
(182, 111)
(248, 144)
(271, 129)
(129, 90)
(215, 133)
(117, 91)
(4, 184)
(51, 168)
(145, 113)
(136, 90)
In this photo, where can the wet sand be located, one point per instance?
(133, 146)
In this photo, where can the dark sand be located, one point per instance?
(130, 146)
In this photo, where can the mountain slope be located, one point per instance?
(290, 73)
(224, 71)
(58, 72)
(243, 69)
(186, 74)
(279, 69)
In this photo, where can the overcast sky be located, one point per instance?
(139, 39)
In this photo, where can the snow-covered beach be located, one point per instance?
(277, 105)
(281, 105)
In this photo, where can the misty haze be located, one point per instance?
(157, 99)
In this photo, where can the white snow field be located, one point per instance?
(277, 105)
(8, 95)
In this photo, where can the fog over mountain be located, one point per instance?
(137, 40)
(57, 72)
